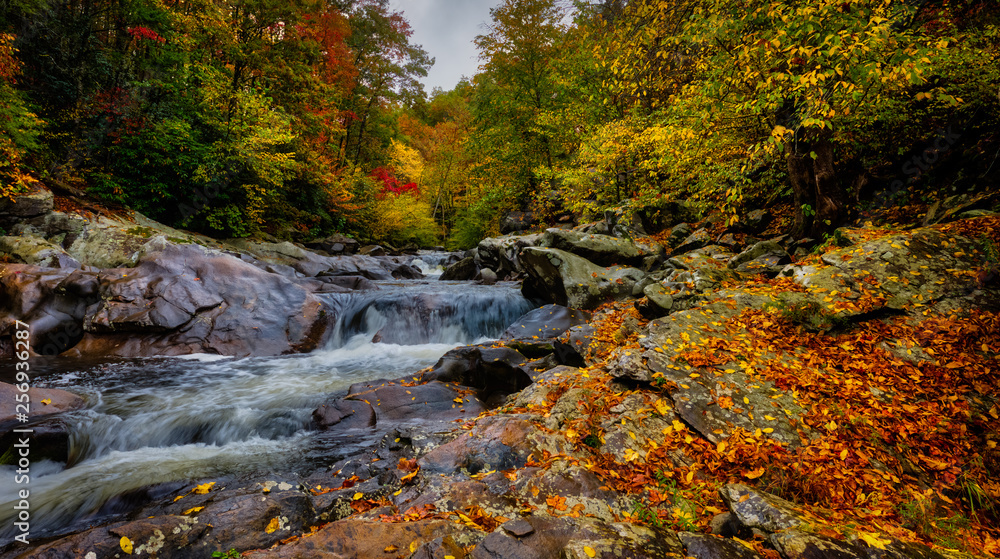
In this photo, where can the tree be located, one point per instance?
(514, 87)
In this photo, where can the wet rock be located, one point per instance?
(896, 549)
(188, 299)
(167, 537)
(762, 511)
(704, 546)
(335, 245)
(603, 250)
(54, 301)
(559, 277)
(487, 276)
(794, 544)
(502, 254)
(354, 283)
(254, 521)
(492, 372)
(464, 269)
(48, 439)
(519, 528)
(434, 401)
(58, 401)
(578, 538)
(345, 414)
(547, 321)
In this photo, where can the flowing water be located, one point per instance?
(160, 420)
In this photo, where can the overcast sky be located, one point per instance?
(445, 29)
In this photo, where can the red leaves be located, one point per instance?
(145, 34)
(391, 184)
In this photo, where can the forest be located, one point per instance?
(300, 119)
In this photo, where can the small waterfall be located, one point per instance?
(432, 264)
(433, 313)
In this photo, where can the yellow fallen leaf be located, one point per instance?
(413, 546)
(589, 551)
(192, 509)
(203, 488)
(358, 495)
(458, 401)
(754, 474)
(47, 401)
(745, 543)
(661, 407)
(390, 548)
(273, 525)
(126, 544)
(873, 540)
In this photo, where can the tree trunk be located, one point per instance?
(829, 194)
(801, 176)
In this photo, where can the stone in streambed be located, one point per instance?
(547, 321)
(433, 401)
(559, 277)
(492, 372)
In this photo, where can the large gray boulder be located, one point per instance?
(502, 254)
(556, 276)
(604, 250)
(179, 299)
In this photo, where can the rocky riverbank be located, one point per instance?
(701, 392)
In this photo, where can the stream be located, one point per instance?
(161, 420)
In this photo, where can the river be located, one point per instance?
(162, 420)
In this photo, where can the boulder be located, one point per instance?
(464, 269)
(179, 299)
(43, 402)
(493, 372)
(559, 277)
(54, 301)
(433, 401)
(660, 301)
(501, 254)
(372, 250)
(516, 221)
(696, 240)
(37, 252)
(487, 276)
(335, 245)
(677, 235)
(603, 250)
(25, 205)
(548, 321)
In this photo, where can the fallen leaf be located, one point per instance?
(203, 488)
(589, 551)
(273, 525)
(126, 544)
